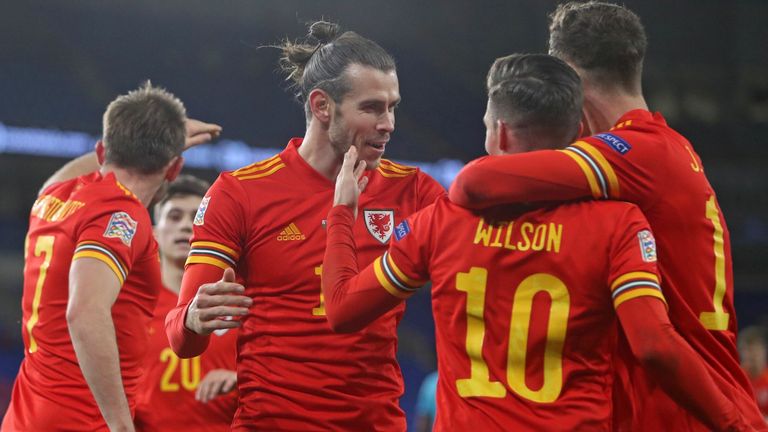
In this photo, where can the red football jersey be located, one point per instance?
(92, 216)
(267, 221)
(760, 386)
(644, 161)
(166, 400)
(524, 308)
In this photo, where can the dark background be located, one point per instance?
(62, 62)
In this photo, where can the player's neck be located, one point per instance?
(317, 151)
(144, 186)
(603, 109)
(171, 273)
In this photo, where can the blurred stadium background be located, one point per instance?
(62, 62)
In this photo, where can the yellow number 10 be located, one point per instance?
(474, 283)
(717, 320)
(43, 246)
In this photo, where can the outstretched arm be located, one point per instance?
(197, 133)
(674, 365)
(538, 176)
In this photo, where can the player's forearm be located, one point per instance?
(671, 362)
(352, 300)
(184, 342)
(74, 168)
(539, 176)
(93, 337)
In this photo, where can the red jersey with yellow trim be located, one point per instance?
(294, 374)
(92, 216)
(524, 308)
(166, 400)
(644, 161)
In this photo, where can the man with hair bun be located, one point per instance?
(633, 156)
(528, 305)
(91, 270)
(265, 222)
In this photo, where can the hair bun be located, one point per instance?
(324, 31)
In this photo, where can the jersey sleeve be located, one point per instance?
(116, 232)
(354, 299)
(216, 244)
(632, 271)
(538, 176)
(429, 190)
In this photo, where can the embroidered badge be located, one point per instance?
(379, 223)
(647, 245)
(401, 230)
(200, 215)
(615, 142)
(121, 226)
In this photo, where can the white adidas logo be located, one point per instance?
(291, 232)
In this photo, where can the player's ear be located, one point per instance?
(174, 168)
(320, 103)
(100, 151)
(504, 135)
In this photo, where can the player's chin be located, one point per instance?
(371, 163)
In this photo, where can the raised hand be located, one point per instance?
(216, 301)
(350, 181)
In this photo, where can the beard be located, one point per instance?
(341, 139)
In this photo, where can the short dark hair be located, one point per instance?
(144, 129)
(321, 60)
(536, 91)
(184, 185)
(605, 40)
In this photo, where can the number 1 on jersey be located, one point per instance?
(717, 320)
(320, 310)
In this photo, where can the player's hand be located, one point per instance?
(350, 181)
(200, 132)
(216, 301)
(217, 382)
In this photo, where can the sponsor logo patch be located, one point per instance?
(290, 233)
(200, 215)
(647, 245)
(615, 142)
(121, 226)
(401, 230)
(380, 223)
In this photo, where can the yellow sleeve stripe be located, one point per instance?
(605, 166)
(219, 246)
(591, 179)
(274, 169)
(633, 275)
(258, 166)
(196, 259)
(103, 258)
(641, 292)
(400, 275)
(385, 282)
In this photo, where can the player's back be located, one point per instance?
(92, 216)
(524, 312)
(658, 169)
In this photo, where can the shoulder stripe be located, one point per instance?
(385, 283)
(103, 254)
(273, 170)
(389, 174)
(605, 166)
(192, 259)
(642, 292)
(257, 166)
(396, 167)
